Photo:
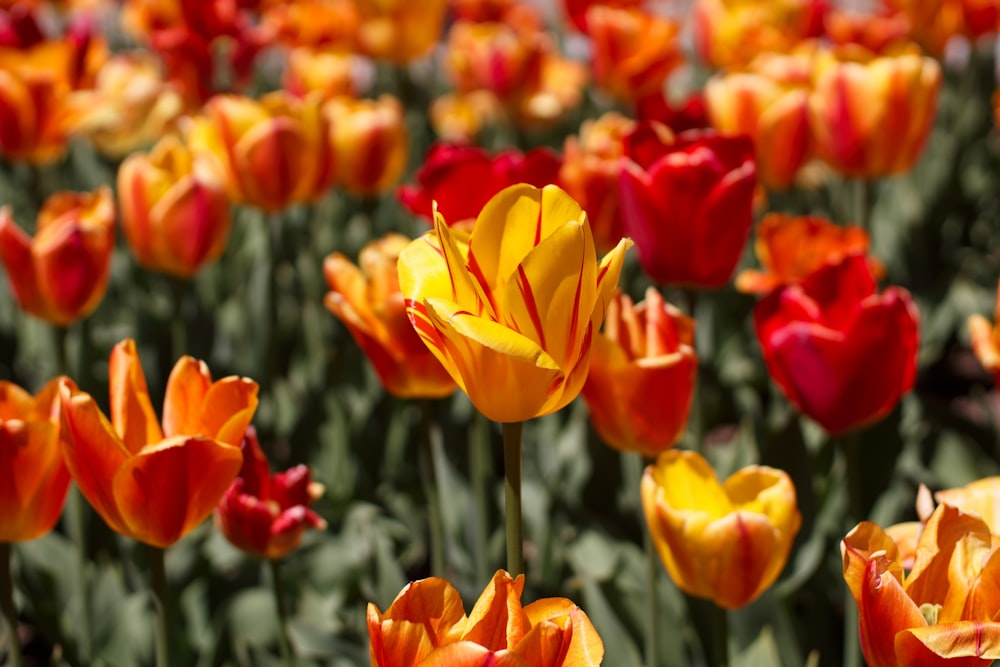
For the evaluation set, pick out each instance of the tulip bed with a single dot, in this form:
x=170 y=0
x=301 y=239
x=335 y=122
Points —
x=492 y=332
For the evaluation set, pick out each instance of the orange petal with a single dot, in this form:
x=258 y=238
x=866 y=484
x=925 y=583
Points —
x=184 y=400
x=586 y=647
x=884 y=611
x=33 y=479
x=498 y=621
x=131 y=410
x=470 y=654
x=966 y=643
x=228 y=409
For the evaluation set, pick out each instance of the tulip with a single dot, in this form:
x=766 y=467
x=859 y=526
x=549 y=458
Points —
x=264 y=514
x=642 y=374
x=634 y=51
x=33 y=477
x=492 y=56
x=943 y=609
x=842 y=354
x=329 y=72
x=727 y=542
x=461 y=179
x=369 y=141
x=790 y=248
x=426 y=626
x=399 y=30
x=175 y=212
x=150 y=483
x=981 y=497
x=730 y=33
x=589 y=173
x=689 y=114
x=458 y=118
x=881 y=32
x=61 y=274
x=272 y=152
x=313 y=24
x=511 y=309
x=770 y=103
x=689 y=205
x=368 y=301
x=871 y=118
x=985 y=339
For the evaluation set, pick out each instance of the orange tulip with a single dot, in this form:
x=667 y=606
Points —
x=330 y=72
x=871 y=118
x=368 y=301
x=33 y=477
x=426 y=626
x=727 y=542
x=981 y=497
x=770 y=103
x=175 y=214
x=944 y=609
x=634 y=51
x=400 y=30
x=370 y=142
x=272 y=152
x=790 y=248
x=61 y=274
x=642 y=374
x=150 y=483
x=985 y=339
x=493 y=56
x=730 y=33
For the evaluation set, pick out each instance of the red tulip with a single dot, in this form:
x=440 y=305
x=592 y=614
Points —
x=688 y=205
x=843 y=354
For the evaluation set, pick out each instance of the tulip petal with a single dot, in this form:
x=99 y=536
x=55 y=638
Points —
x=586 y=647
x=546 y=644
x=470 y=654
x=33 y=479
x=396 y=643
x=434 y=603
x=184 y=400
x=497 y=621
x=864 y=540
x=966 y=643
x=884 y=611
x=131 y=410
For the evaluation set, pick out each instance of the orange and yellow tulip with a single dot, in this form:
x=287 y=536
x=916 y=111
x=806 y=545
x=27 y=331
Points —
x=985 y=339
x=150 y=483
x=426 y=626
x=730 y=33
x=61 y=274
x=399 y=30
x=175 y=214
x=511 y=309
x=870 y=118
x=370 y=142
x=272 y=152
x=329 y=72
x=727 y=542
x=493 y=56
x=944 y=610
x=368 y=301
x=33 y=477
x=981 y=497
x=642 y=374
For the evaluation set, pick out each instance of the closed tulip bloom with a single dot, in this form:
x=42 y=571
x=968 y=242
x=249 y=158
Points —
x=642 y=375
x=426 y=626
x=576 y=10
x=151 y=483
x=272 y=152
x=871 y=118
x=511 y=310
x=842 y=353
x=726 y=542
x=731 y=33
x=589 y=173
x=943 y=611
x=985 y=340
x=769 y=102
x=329 y=72
x=175 y=212
x=790 y=248
x=370 y=142
x=264 y=514
x=492 y=56
x=689 y=205
x=33 y=477
x=367 y=300
x=400 y=30
x=634 y=51
x=62 y=273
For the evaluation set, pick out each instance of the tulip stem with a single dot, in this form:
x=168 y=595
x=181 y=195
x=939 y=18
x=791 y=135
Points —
x=633 y=463
x=863 y=203
x=283 y=643
x=512 y=484
x=7 y=602
x=722 y=638
x=62 y=350
x=480 y=469
x=158 y=572
x=428 y=479
x=178 y=327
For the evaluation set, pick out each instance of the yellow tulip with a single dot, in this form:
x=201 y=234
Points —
x=727 y=542
x=511 y=309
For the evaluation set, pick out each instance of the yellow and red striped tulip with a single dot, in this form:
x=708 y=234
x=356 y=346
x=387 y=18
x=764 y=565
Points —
x=272 y=152
x=426 y=626
x=492 y=56
x=368 y=301
x=642 y=375
x=727 y=542
x=943 y=611
x=150 y=483
x=511 y=309
x=33 y=477
x=61 y=275
x=370 y=142
x=871 y=118
x=985 y=339
x=175 y=213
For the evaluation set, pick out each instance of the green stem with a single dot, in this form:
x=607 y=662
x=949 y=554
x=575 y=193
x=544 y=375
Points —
x=7 y=602
x=852 y=640
x=480 y=470
x=512 y=485
x=62 y=350
x=76 y=526
x=429 y=481
x=632 y=467
x=850 y=447
x=279 y=602
x=178 y=327
x=862 y=203
x=722 y=636
x=158 y=573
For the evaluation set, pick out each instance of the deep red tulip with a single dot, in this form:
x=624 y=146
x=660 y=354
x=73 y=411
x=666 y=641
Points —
x=688 y=205
x=842 y=353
